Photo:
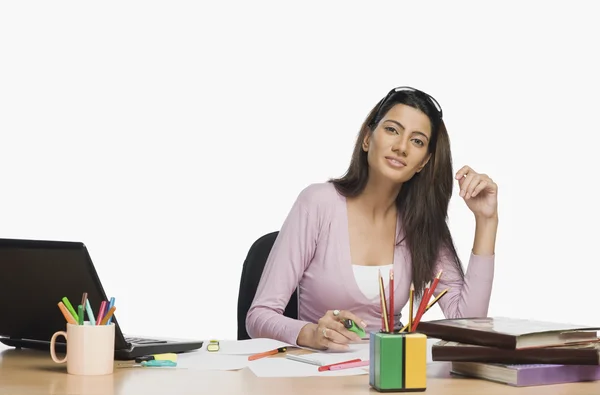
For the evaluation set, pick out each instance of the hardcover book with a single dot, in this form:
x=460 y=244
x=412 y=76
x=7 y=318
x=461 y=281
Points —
x=507 y=333
x=527 y=375
x=574 y=354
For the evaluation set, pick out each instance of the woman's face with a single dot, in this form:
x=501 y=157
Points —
x=397 y=148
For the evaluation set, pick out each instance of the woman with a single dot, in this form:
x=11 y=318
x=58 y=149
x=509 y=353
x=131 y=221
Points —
x=387 y=212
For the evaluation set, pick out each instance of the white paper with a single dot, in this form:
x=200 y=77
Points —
x=204 y=360
x=282 y=367
x=355 y=351
x=249 y=346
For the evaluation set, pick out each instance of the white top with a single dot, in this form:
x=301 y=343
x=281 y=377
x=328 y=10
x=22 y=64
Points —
x=367 y=278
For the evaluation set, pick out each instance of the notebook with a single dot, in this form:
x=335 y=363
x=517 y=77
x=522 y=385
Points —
x=527 y=375
x=574 y=354
x=35 y=275
x=508 y=333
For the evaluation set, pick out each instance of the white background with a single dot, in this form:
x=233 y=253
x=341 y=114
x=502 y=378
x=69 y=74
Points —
x=168 y=136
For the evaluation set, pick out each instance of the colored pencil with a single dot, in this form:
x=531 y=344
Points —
x=69 y=307
x=391 y=303
x=90 y=313
x=108 y=315
x=80 y=314
x=384 y=317
x=66 y=313
x=411 y=299
x=427 y=296
x=101 y=311
x=84 y=299
x=422 y=306
x=433 y=302
x=110 y=305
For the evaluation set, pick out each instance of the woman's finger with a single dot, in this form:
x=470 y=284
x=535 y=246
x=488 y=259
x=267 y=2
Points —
x=331 y=339
x=480 y=187
x=344 y=314
x=476 y=180
x=466 y=183
x=339 y=327
x=462 y=172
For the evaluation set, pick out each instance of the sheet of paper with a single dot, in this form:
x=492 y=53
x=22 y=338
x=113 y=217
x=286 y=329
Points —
x=248 y=347
x=204 y=360
x=282 y=367
x=327 y=358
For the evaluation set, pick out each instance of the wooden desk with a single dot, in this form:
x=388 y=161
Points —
x=33 y=372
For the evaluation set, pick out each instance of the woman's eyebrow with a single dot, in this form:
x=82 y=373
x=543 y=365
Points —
x=400 y=126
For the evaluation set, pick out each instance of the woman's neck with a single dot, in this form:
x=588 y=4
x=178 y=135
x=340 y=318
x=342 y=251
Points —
x=378 y=199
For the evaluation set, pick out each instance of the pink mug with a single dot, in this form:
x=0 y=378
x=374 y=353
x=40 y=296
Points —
x=90 y=349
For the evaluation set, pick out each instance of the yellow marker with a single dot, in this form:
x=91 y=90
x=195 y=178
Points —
x=165 y=357
x=213 y=346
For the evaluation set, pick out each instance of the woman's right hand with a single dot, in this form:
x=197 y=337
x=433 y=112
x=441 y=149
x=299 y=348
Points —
x=330 y=333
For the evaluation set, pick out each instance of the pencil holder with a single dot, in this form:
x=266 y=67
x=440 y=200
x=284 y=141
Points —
x=398 y=362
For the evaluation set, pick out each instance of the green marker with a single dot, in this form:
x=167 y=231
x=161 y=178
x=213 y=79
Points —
x=352 y=327
x=80 y=311
x=70 y=308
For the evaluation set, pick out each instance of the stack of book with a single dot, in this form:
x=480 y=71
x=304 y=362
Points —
x=518 y=352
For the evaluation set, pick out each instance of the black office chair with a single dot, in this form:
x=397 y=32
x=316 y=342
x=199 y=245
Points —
x=251 y=273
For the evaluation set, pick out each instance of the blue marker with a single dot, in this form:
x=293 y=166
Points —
x=110 y=305
x=90 y=312
x=161 y=363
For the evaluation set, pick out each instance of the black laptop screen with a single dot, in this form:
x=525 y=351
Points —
x=34 y=277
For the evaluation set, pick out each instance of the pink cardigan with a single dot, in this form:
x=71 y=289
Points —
x=312 y=252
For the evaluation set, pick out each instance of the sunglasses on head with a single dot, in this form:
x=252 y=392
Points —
x=409 y=89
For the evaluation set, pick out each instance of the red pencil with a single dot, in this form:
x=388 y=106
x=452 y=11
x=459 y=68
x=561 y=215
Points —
x=434 y=285
x=391 y=303
x=429 y=293
x=422 y=306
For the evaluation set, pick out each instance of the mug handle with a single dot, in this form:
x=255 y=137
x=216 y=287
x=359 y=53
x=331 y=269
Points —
x=53 y=346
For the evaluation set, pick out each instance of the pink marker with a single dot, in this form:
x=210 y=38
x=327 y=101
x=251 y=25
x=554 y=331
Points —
x=101 y=312
x=350 y=365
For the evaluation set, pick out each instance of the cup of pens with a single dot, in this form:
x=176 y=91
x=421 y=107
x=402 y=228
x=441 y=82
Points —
x=90 y=343
x=398 y=359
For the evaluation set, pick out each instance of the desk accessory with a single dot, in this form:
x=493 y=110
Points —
x=352 y=327
x=90 y=349
x=267 y=353
x=398 y=362
x=213 y=346
x=157 y=357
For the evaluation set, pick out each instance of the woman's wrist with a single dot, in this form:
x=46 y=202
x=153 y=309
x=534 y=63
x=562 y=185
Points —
x=485 y=235
x=306 y=335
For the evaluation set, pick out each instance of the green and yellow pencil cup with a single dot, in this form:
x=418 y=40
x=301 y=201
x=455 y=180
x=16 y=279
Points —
x=398 y=362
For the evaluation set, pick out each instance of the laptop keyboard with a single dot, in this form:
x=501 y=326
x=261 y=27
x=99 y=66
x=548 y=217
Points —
x=140 y=340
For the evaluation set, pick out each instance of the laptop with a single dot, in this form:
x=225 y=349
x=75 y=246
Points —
x=35 y=275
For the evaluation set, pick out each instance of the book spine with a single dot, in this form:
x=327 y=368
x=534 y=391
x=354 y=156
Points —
x=468 y=336
x=559 y=374
x=514 y=357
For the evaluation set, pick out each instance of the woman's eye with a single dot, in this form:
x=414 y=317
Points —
x=419 y=142
x=390 y=129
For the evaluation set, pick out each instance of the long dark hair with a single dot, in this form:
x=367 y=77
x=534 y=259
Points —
x=423 y=200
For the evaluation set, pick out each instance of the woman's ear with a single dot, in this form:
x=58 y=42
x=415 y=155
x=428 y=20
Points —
x=365 y=144
x=425 y=161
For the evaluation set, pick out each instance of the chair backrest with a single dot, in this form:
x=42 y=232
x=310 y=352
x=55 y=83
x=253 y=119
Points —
x=251 y=273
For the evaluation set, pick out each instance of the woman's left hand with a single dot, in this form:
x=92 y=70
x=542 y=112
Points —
x=479 y=192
